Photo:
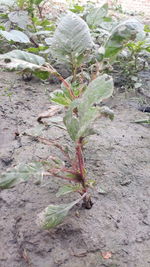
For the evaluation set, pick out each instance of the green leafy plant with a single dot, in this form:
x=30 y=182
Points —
x=71 y=45
x=81 y=113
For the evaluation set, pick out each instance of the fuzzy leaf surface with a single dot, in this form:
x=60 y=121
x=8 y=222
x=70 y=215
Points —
x=82 y=113
x=21 y=173
x=24 y=56
x=54 y=215
x=71 y=38
x=96 y=15
x=15 y=36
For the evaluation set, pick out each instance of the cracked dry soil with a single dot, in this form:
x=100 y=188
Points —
x=118 y=158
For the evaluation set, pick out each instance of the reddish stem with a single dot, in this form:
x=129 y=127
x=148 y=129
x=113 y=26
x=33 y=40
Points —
x=53 y=71
x=80 y=159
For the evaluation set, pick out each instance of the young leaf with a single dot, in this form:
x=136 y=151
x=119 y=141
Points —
x=21 y=173
x=53 y=215
x=72 y=122
x=66 y=189
x=59 y=97
x=82 y=113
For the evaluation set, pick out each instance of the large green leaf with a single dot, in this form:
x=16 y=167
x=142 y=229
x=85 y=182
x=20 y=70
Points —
x=21 y=173
x=99 y=89
x=53 y=215
x=20 y=18
x=125 y=31
x=82 y=113
x=96 y=15
x=71 y=38
x=16 y=36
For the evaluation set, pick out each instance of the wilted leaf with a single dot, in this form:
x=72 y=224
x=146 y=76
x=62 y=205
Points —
x=17 y=64
x=53 y=215
x=125 y=31
x=24 y=56
x=35 y=131
x=21 y=173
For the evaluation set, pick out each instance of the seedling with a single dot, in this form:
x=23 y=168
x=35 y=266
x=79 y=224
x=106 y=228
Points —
x=71 y=44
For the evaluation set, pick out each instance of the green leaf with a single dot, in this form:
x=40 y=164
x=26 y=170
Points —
x=71 y=121
x=21 y=173
x=147 y=28
x=71 y=38
x=77 y=9
x=82 y=113
x=15 y=36
x=43 y=75
x=86 y=121
x=59 y=97
x=54 y=215
x=95 y=16
x=20 y=18
x=66 y=189
x=37 y=2
x=99 y=89
x=27 y=57
x=125 y=31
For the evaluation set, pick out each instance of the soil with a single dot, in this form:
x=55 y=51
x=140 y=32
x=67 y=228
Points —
x=116 y=231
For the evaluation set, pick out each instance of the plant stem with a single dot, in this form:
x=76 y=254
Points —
x=87 y=203
x=80 y=159
x=51 y=70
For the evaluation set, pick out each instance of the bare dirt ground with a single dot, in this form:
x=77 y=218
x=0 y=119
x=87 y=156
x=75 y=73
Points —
x=118 y=158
